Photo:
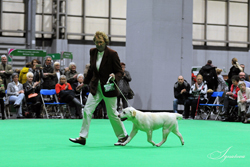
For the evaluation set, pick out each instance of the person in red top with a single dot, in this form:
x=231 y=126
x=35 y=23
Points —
x=231 y=97
x=65 y=93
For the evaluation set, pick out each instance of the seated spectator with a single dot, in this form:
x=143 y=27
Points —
x=23 y=73
x=181 y=93
x=72 y=73
x=231 y=98
x=2 y=95
x=79 y=88
x=243 y=101
x=36 y=69
x=32 y=94
x=243 y=70
x=242 y=78
x=198 y=94
x=66 y=94
x=15 y=94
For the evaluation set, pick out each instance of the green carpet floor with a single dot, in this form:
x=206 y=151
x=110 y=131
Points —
x=43 y=142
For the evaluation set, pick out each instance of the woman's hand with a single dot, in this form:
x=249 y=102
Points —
x=113 y=76
x=21 y=91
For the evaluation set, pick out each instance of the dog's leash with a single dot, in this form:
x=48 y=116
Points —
x=119 y=90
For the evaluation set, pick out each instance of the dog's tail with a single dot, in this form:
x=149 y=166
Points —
x=178 y=116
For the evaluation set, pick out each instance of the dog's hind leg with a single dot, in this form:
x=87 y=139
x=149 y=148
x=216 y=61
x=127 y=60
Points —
x=132 y=134
x=149 y=135
x=165 y=133
x=177 y=133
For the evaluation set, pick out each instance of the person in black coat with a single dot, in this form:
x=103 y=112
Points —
x=209 y=75
x=181 y=92
x=48 y=74
x=31 y=87
x=234 y=70
x=79 y=88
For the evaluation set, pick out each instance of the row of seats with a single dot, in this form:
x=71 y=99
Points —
x=46 y=102
x=205 y=110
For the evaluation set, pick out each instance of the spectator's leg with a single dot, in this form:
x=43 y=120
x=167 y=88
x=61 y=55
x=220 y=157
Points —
x=187 y=108
x=124 y=103
x=175 y=105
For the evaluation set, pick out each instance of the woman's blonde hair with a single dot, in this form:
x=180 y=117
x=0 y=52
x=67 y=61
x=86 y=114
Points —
x=100 y=34
x=62 y=76
x=218 y=71
x=241 y=83
x=71 y=64
x=236 y=64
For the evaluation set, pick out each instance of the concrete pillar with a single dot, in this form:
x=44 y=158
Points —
x=158 y=49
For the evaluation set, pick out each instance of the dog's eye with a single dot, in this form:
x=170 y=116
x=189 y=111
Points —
x=124 y=112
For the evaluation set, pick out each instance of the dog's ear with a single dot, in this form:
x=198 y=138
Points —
x=133 y=113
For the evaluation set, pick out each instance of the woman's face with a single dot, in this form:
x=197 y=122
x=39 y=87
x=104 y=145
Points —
x=199 y=80
x=15 y=79
x=34 y=63
x=73 y=67
x=243 y=88
x=80 y=79
x=30 y=78
x=63 y=80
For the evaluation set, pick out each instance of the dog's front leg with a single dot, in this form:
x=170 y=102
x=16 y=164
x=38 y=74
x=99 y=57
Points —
x=132 y=134
x=149 y=134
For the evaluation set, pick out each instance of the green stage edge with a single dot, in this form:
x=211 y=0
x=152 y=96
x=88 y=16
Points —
x=45 y=143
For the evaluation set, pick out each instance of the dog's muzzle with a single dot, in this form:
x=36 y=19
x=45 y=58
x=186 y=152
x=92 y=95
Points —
x=122 y=119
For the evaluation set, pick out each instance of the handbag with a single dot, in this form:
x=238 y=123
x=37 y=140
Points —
x=32 y=95
x=130 y=94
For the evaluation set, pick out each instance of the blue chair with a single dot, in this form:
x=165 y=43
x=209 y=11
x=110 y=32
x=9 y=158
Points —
x=208 y=108
x=53 y=101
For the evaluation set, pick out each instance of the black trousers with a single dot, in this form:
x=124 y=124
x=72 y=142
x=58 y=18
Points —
x=124 y=102
x=228 y=102
x=193 y=104
x=2 y=107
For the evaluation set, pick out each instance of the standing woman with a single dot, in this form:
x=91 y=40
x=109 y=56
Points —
x=104 y=63
x=234 y=70
x=72 y=73
x=15 y=94
x=33 y=88
x=36 y=69
x=222 y=86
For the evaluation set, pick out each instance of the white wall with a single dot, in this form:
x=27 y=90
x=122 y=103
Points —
x=221 y=59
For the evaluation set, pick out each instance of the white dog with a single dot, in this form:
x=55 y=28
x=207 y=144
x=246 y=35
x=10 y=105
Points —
x=148 y=122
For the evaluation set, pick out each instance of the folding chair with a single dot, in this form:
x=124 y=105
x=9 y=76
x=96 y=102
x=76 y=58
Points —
x=52 y=102
x=212 y=107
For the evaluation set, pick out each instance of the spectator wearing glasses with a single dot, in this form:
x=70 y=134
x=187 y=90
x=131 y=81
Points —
x=48 y=74
x=242 y=76
x=243 y=69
